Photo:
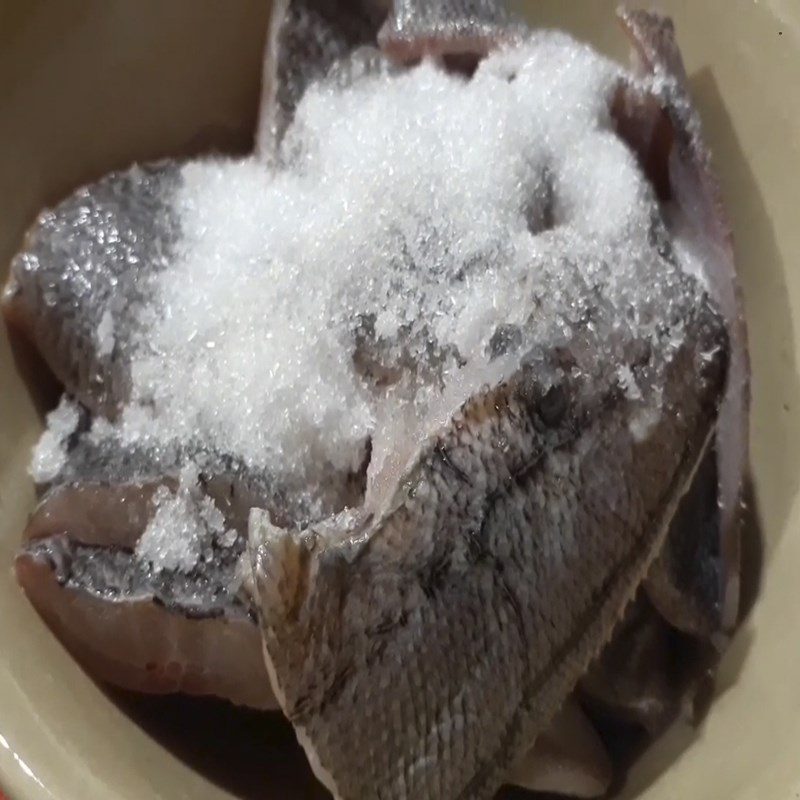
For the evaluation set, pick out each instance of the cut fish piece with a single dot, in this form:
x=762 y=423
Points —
x=124 y=633
x=125 y=623
x=75 y=288
x=659 y=121
x=423 y=599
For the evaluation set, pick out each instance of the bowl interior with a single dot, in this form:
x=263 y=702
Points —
x=91 y=85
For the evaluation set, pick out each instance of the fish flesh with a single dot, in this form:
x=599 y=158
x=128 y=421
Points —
x=144 y=630
x=407 y=553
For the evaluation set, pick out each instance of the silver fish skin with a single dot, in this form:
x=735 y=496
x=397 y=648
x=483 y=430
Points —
x=93 y=254
x=418 y=28
x=304 y=40
x=460 y=613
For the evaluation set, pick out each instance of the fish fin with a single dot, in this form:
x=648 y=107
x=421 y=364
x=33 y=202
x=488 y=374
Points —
x=439 y=28
x=297 y=612
x=281 y=563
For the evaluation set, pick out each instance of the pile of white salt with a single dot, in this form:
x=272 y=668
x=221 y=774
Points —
x=421 y=201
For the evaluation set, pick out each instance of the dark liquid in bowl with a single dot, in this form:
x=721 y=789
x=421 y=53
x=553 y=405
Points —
x=254 y=755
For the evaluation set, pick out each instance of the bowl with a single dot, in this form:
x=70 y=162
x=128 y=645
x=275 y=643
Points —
x=91 y=85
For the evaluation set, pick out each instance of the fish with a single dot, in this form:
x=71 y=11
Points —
x=83 y=578
x=427 y=604
x=131 y=632
x=86 y=264
x=128 y=624
x=463 y=572
x=196 y=633
x=663 y=128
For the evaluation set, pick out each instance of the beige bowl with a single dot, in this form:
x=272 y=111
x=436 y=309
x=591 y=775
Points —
x=89 y=85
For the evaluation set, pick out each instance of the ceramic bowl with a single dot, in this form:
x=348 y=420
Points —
x=90 y=85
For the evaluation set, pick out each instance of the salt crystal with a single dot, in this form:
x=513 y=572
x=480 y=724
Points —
x=628 y=382
x=228 y=539
x=182 y=528
x=105 y=334
x=50 y=453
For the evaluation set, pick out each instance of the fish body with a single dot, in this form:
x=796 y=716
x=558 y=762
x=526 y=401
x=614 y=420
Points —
x=514 y=560
x=84 y=272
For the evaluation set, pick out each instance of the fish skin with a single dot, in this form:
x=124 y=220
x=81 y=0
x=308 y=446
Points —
x=663 y=126
x=486 y=562
x=91 y=254
x=419 y=28
x=304 y=40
